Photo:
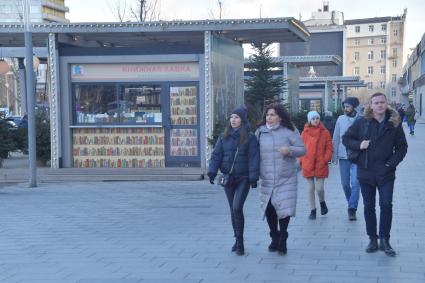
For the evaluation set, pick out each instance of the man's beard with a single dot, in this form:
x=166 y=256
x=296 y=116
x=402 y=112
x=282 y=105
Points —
x=350 y=113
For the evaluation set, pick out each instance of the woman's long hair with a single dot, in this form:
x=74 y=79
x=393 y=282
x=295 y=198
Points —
x=243 y=133
x=282 y=113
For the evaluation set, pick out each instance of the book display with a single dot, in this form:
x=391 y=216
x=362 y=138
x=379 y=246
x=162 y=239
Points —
x=118 y=148
x=183 y=106
x=184 y=142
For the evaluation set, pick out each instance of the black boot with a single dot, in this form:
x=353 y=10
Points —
x=384 y=245
x=352 y=214
x=234 y=229
x=275 y=241
x=323 y=208
x=372 y=246
x=281 y=248
x=312 y=214
x=240 y=249
x=234 y=246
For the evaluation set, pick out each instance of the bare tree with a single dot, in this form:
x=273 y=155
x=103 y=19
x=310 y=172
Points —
x=146 y=10
x=119 y=9
x=217 y=14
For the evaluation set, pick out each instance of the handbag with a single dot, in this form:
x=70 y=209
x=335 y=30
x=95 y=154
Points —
x=354 y=155
x=226 y=180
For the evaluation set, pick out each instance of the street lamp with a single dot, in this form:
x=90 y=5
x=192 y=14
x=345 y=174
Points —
x=30 y=95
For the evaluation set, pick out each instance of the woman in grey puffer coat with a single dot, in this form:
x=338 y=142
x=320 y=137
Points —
x=280 y=145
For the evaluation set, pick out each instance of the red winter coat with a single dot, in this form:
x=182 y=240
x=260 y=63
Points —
x=318 y=143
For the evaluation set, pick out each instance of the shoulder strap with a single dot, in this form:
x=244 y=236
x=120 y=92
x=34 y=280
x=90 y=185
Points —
x=233 y=163
x=366 y=128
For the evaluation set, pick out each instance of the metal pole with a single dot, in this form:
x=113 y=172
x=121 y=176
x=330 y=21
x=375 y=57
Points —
x=30 y=96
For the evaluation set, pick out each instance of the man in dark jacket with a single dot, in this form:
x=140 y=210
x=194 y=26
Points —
x=380 y=138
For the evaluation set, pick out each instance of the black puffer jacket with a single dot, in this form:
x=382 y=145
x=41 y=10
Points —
x=387 y=148
x=247 y=160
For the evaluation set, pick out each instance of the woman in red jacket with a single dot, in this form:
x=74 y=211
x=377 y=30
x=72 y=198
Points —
x=314 y=163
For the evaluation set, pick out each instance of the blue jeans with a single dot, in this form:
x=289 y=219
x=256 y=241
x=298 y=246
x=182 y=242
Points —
x=386 y=205
x=412 y=128
x=350 y=184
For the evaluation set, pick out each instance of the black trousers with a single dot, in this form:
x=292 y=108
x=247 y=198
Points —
x=386 y=206
x=273 y=221
x=236 y=196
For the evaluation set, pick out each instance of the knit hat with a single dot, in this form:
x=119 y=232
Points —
x=242 y=112
x=311 y=115
x=352 y=101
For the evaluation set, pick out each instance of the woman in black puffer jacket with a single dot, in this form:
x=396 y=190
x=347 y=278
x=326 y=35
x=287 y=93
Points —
x=237 y=145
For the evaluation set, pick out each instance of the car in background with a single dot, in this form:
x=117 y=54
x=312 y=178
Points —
x=15 y=121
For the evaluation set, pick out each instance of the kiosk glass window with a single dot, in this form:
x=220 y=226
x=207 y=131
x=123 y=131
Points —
x=92 y=103
x=183 y=106
x=139 y=104
x=126 y=104
x=183 y=120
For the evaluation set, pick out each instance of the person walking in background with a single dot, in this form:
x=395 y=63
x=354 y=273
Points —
x=411 y=118
x=401 y=112
x=236 y=153
x=347 y=169
x=329 y=122
x=314 y=163
x=380 y=139
x=280 y=145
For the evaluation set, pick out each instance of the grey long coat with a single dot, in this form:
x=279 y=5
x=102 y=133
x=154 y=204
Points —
x=278 y=173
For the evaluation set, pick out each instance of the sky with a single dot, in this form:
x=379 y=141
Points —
x=101 y=11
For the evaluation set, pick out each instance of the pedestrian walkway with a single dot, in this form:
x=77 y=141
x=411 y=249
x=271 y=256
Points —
x=110 y=232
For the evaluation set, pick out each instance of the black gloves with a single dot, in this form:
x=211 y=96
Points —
x=254 y=184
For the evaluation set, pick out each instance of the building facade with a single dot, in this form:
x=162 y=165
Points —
x=374 y=51
x=325 y=27
x=413 y=82
x=45 y=11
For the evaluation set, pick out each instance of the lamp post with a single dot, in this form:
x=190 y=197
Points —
x=30 y=95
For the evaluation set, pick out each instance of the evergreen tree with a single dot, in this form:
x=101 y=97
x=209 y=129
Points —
x=263 y=87
x=6 y=140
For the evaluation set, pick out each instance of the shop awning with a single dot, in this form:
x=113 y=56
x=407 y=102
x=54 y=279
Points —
x=139 y=34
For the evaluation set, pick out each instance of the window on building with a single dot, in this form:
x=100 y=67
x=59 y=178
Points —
x=394 y=78
x=395 y=32
x=370 y=28
x=357 y=28
x=395 y=52
x=53 y=12
x=370 y=85
x=103 y=103
x=382 y=85
x=357 y=42
x=383 y=40
x=356 y=71
x=383 y=27
x=382 y=69
x=370 y=70
x=395 y=63
x=370 y=55
x=383 y=54
x=370 y=41
x=393 y=92
x=356 y=56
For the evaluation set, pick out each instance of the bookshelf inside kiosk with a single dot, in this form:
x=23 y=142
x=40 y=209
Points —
x=128 y=125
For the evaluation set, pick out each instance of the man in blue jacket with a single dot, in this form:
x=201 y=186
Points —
x=380 y=138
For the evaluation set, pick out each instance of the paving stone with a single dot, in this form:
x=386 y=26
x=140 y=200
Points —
x=167 y=232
